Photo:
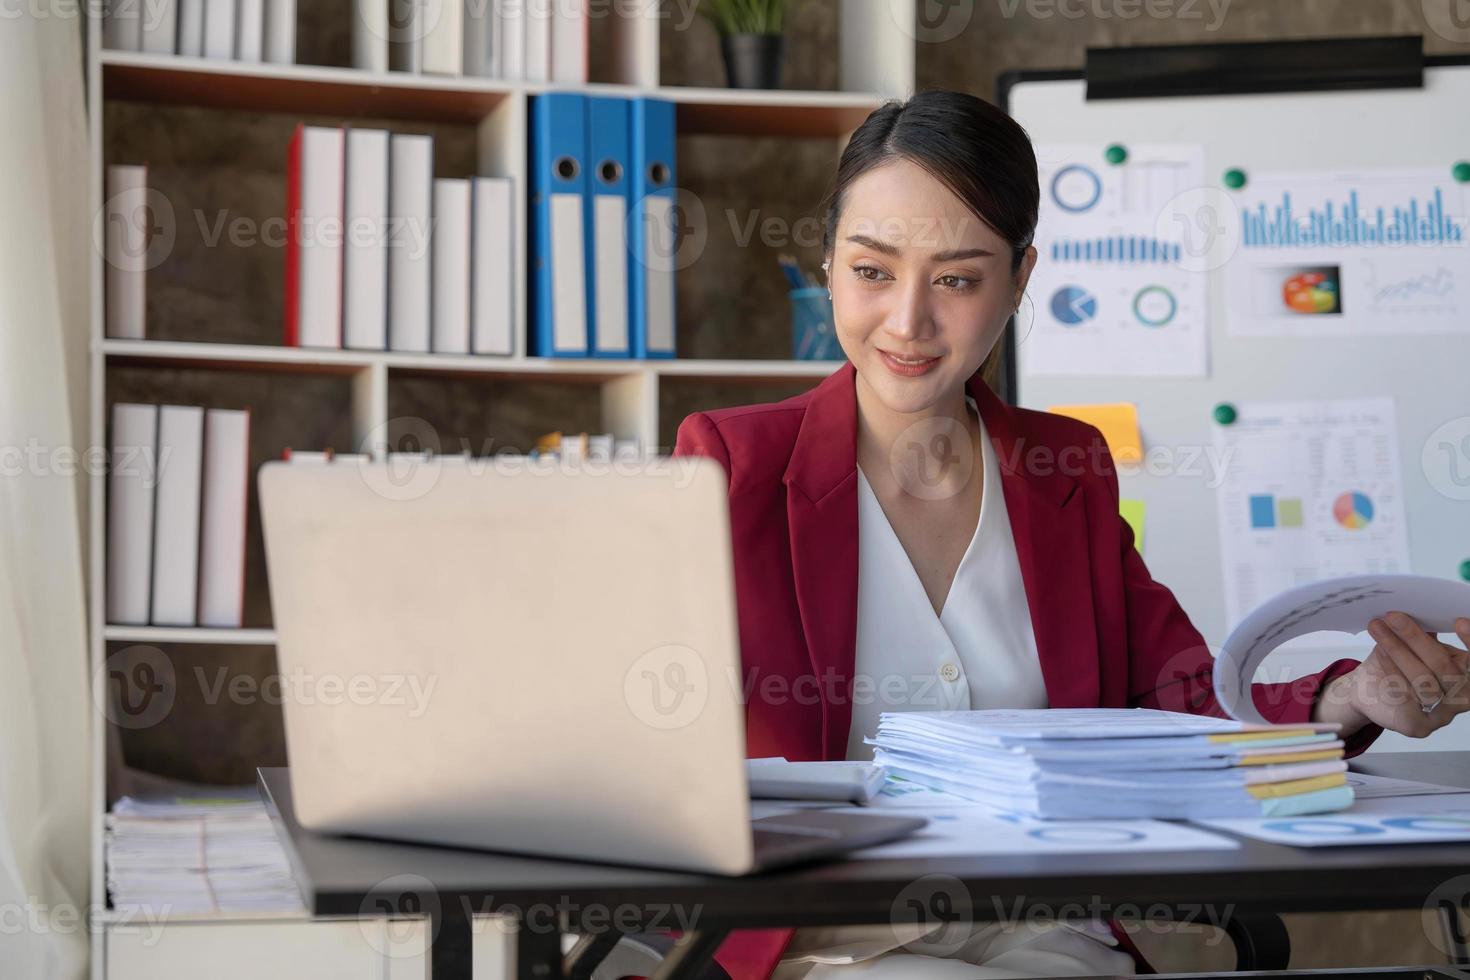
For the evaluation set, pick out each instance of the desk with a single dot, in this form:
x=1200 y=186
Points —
x=352 y=876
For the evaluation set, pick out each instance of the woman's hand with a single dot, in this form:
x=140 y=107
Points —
x=1408 y=672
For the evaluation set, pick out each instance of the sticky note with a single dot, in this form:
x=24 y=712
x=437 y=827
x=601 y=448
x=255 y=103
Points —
x=1119 y=425
x=1132 y=511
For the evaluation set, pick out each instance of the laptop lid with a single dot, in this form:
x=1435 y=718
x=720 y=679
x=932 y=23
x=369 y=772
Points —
x=500 y=654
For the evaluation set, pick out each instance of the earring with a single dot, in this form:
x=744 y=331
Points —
x=826 y=267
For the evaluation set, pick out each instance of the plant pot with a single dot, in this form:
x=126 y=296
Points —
x=754 y=60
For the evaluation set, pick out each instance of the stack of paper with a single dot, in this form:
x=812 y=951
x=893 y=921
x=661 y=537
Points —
x=1113 y=763
x=197 y=855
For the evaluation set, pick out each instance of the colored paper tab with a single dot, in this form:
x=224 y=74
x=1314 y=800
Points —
x=1118 y=423
x=1132 y=511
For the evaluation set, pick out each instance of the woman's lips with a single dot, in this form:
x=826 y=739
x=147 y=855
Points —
x=907 y=367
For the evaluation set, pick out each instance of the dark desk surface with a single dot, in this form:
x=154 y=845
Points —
x=349 y=876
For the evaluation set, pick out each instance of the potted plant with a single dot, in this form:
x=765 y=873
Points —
x=751 y=39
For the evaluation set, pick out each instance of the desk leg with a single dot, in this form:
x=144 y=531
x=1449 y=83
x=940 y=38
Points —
x=452 y=952
x=690 y=955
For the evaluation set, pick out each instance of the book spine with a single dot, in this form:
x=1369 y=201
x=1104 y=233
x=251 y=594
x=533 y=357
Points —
x=222 y=529
x=160 y=26
x=292 y=292
x=280 y=32
x=191 y=28
x=410 y=192
x=365 y=249
x=249 y=30
x=443 y=37
x=125 y=240
x=492 y=258
x=176 y=522
x=569 y=41
x=451 y=267
x=132 y=475
x=219 y=29
x=370 y=34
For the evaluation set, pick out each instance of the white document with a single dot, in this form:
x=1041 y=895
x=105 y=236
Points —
x=410 y=196
x=451 y=267
x=1345 y=605
x=280 y=32
x=1369 y=787
x=1120 y=285
x=1311 y=490
x=780 y=779
x=249 y=30
x=219 y=29
x=492 y=260
x=1394 y=820
x=1332 y=253
x=370 y=34
x=365 y=243
x=125 y=235
x=222 y=526
x=176 y=521
x=318 y=237
x=966 y=831
x=131 y=478
x=160 y=25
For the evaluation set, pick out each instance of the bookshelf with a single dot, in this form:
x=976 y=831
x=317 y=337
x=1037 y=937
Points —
x=352 y=393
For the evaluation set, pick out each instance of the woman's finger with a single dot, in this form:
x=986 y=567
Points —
x=1432 y=653
x=1422 y=682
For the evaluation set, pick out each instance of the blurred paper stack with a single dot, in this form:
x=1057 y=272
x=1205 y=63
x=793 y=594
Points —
x=1116 y=763
x=193 y=855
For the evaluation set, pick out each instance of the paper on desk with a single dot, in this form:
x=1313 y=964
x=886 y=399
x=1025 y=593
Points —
x=1369 y=787
x=969 y=830
x=1343 y=604
x=1386 y=820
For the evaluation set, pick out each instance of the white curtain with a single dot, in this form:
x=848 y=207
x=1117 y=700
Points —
x=45 y=709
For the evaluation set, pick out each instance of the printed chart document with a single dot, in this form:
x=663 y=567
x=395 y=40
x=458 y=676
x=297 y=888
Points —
x=1312 y=490
x=1395 y=820
x=1332 y=253
x=1345 y=605
x=1120 y=283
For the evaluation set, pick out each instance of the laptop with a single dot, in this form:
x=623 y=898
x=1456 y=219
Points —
x=523 y=656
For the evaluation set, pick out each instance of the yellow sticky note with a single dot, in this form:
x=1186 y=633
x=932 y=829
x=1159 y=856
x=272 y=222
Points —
x=1132 y=511
x=1118 y=423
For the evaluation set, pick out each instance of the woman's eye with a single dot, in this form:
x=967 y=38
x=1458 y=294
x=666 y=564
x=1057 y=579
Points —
x=868 y=273
x=958 y=283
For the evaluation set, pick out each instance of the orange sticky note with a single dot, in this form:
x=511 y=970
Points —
x=1118 y=423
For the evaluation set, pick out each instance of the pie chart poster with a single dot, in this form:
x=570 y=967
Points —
x=1120 y=285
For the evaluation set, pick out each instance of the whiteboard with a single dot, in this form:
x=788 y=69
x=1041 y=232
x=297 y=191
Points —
x=1428 y=376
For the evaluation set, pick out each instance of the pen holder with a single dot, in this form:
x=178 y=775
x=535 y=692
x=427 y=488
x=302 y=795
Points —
x=813 y=335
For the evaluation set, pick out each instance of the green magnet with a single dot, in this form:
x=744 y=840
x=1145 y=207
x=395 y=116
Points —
x=1226 y=414
x=1234 y=178
x=1115 y=154
x=1461 y=171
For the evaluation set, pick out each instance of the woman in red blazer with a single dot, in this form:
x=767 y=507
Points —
x=928 y=244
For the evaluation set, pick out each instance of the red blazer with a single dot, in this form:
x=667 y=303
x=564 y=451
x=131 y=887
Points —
x=1107 y=634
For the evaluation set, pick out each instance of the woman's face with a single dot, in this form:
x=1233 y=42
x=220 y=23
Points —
x=921 y=287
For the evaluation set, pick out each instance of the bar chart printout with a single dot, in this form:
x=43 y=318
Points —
x=1373 y=252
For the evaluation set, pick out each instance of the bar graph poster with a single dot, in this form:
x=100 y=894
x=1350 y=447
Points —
x=1114 y=291
x=1309 y=490
x=1364 y=252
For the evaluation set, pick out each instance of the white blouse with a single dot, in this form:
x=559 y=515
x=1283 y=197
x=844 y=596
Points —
x=979 y=652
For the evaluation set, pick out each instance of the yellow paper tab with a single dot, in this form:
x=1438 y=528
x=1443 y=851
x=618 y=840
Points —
x=1257 y=736
x=1294 y=787
x=1118 y=424
x=1266 y=760
x=1132 y=511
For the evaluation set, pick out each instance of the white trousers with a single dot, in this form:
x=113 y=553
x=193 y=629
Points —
x=954 y=951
